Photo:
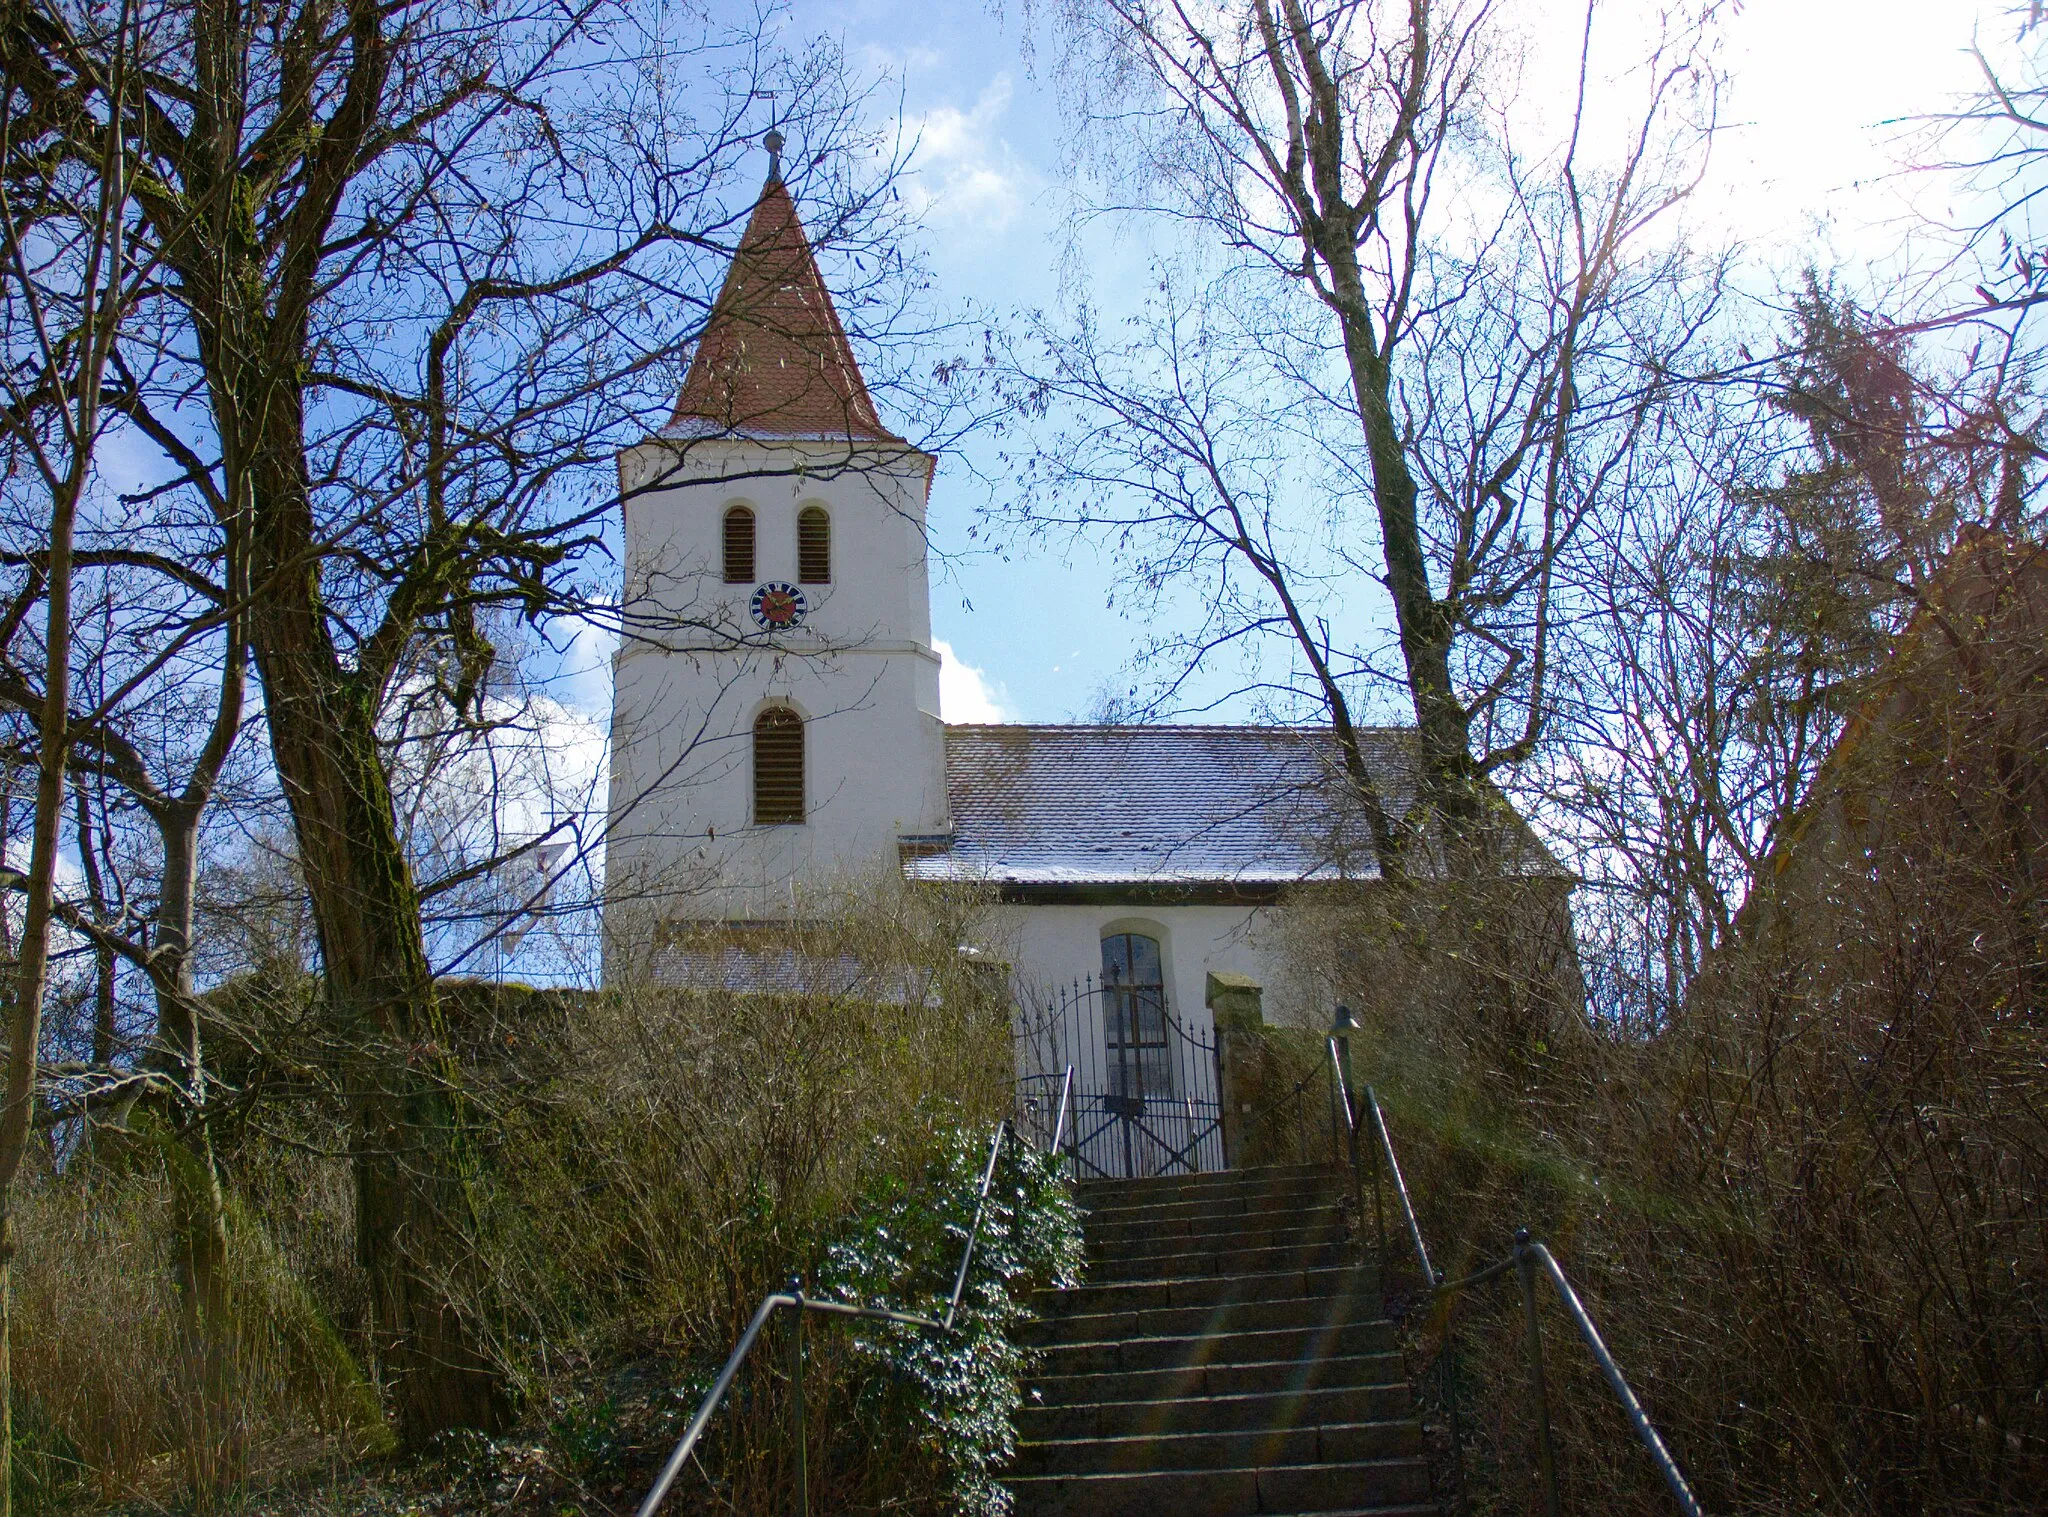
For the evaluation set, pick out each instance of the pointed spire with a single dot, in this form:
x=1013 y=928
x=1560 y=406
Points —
x=774 y=360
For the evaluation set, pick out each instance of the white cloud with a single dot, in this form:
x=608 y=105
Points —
x=582 y=679
x=964 y=691
x=966 y=178
x=915 y=59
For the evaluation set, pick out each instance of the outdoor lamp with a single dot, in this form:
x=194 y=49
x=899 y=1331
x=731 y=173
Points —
x=1341 y=1030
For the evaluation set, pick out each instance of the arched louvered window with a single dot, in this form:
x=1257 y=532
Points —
x=778 y=767
x=813 y=546
x=739 y=546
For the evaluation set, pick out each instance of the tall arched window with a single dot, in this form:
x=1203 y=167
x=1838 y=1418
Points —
x=739 y=546
x=778 y=767
x=1134 y=1026
x=813 y=546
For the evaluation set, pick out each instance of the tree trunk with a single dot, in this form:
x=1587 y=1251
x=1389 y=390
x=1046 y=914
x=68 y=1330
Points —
x=1452 y=806
x=1448 y=781
x=413 y=1201
x=199 y=1203
x=103 y=1029
x=25 y=1016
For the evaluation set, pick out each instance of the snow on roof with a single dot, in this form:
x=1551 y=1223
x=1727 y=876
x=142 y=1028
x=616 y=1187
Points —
x=1091 y=805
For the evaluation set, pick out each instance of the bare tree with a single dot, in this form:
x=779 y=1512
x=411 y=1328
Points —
x=155 y=716
x=429 y=266
x=1991 y=146
x=70 y=278
x=1796 y=522
x=1408 y=304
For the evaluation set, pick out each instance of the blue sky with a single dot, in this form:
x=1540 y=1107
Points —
x=1806 y=170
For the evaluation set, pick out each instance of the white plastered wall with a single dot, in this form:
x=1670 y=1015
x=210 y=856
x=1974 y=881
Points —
x=695 y=671
x=1050 y=947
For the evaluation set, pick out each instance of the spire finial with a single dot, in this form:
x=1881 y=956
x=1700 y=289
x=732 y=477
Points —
x=773 y=142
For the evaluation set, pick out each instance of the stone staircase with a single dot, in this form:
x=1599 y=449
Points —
x=1226 y=1355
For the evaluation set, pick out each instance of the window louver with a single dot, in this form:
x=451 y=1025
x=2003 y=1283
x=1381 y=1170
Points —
x=739 y=546
x=778 y=768
x=813 y=546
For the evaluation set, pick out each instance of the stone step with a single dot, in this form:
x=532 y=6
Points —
x=1207 y=1290
x=1327 y=1227
x=1267 y=1410
x=1281 y=1360
x=1318 y=1311
x=1165 y=1186
x=1328 y=1251
x=1225 y=1355
x=1375 y=1373
x=1367 y=1486
x=1266 y=1195
x=1333 y=1443
x=1211 y=1211
x=1300 y=1344
x=1231 y=1230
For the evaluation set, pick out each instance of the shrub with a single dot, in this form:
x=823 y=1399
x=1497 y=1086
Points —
x=1808 y=1216
x=949 y=1400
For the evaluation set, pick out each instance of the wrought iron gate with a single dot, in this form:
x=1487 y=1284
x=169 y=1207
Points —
x=1145 y=1084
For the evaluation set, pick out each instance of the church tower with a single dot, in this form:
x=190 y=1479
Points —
x=775 y=712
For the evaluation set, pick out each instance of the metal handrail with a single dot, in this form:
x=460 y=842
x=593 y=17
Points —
x=1528 y=1257
x=1059 y=1126
x=1666 y=1465
x=1340 y=1093
x=1385 y=1144
x=988 y=1178
x=1379 y=1122
x=1062 y=1110
x=796 y=1302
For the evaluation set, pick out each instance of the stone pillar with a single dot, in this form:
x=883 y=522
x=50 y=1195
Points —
x=1235 y=1005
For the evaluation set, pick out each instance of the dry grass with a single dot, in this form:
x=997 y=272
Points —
x=656 y=1158
x=661 y=1159
x=646 y=1163
x=1811 y=1215
x=111 y=1405
x=95 y=1316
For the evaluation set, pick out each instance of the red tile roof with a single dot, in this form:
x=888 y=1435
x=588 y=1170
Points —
x=774 y=360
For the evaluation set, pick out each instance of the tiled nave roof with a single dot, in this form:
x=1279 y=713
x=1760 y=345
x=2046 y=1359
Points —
x=1090 y=806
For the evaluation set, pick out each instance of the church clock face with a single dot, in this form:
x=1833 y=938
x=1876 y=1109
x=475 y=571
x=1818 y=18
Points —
x=778 y=607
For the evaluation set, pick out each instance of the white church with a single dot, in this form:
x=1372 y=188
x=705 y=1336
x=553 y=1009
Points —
x=777 y=719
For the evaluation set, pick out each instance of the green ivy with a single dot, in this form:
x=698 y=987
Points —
x=955 y=1395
